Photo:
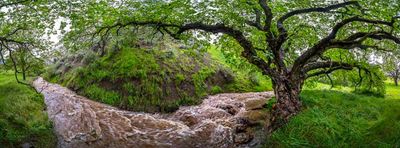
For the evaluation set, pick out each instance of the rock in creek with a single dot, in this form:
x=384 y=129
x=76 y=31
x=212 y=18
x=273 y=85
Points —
x=223 y=121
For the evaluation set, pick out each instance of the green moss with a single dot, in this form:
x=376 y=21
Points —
x=22 y=115
x=134 y=64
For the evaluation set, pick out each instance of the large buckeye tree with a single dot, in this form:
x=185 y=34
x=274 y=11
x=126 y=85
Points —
x=286 y=40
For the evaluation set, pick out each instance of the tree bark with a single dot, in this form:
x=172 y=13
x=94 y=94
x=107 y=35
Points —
x=396 y=83
x=23 y=74
x=287 y=92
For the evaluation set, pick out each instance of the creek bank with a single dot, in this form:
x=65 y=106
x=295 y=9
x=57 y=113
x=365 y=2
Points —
x=223 y=120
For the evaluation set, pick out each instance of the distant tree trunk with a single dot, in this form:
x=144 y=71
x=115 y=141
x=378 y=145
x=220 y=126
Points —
x=395 y=75
x=287 y=92
x=24 y=68
x=23 y=74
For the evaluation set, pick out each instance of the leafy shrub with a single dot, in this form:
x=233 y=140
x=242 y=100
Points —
x=216 y=90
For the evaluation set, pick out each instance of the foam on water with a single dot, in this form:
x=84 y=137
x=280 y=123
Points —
x=224 y=120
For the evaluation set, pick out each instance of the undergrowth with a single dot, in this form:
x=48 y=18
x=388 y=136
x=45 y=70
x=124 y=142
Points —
x=333 y=118
x=22 y=115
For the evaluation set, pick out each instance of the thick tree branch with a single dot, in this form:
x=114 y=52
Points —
x=323 y=65
x=324 y=72
x=249 y=51
x=329 y=67
x=343 y=23
x=355 y=40
x=358 y=38
x=268 y=14
x=281 y=20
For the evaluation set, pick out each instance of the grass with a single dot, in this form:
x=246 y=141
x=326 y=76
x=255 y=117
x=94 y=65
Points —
x=22 y=115
x=339 y=118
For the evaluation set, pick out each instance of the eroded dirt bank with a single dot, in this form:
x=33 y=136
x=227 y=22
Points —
x=223 y=120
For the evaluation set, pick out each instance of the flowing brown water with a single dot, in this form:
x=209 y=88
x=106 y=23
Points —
x=223 y=121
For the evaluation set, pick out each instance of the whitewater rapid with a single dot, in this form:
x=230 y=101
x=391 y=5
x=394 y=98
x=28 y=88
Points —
x=221 y=121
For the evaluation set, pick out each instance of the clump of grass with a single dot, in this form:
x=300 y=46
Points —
x=216 y=90
x=22 y=116
x=334 y=118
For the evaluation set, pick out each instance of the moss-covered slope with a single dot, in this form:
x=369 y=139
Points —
x=156 y=79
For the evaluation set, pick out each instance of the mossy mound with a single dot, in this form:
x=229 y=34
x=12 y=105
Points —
x=145 y=79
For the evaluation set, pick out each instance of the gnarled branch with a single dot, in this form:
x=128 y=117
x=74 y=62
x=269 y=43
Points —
x=249 y=51
x=326 y=9
x=352 y=41
x=268 y=14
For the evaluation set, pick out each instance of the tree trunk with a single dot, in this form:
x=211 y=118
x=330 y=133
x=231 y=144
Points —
x=23 y=75
x=287 y=93
x=396 y=83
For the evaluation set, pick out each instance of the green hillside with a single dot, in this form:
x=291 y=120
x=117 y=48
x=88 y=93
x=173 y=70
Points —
x=157 y=78
x=23 y=119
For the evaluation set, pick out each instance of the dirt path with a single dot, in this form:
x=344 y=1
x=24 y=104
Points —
x=224 y=120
